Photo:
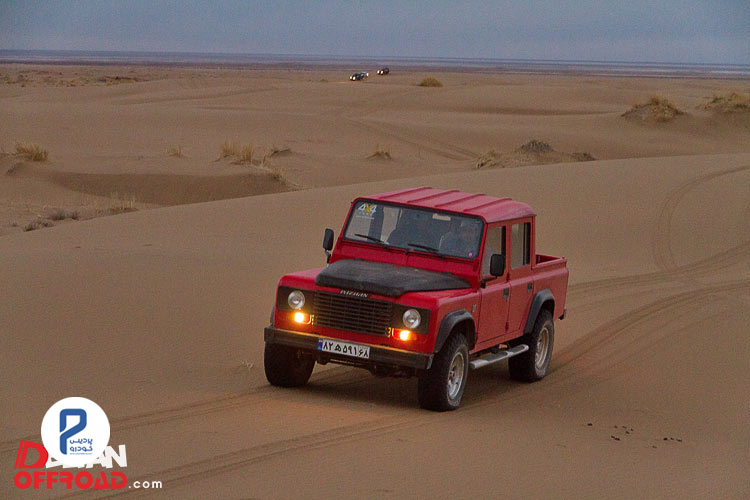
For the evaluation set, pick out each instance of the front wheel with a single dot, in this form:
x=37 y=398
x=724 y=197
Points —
x=534 y=363
x=443 y=385
x=286 y=366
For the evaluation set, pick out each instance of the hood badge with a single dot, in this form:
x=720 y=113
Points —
x=351 y=293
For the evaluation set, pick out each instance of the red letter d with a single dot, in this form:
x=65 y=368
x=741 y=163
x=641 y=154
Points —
x=23 y=449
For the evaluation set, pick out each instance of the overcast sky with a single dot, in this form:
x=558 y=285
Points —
x=701 y=31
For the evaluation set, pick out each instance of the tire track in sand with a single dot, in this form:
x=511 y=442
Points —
x=663 y=252
x=662 y=244
x=564 y=373
x=341 y=376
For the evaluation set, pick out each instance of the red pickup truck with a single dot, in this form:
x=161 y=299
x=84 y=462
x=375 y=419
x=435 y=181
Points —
x=422 y=282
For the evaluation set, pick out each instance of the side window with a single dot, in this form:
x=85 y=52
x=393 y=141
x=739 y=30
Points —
x=495 y=244
x=520 y=240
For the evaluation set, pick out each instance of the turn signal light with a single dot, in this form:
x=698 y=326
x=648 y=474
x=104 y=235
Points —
x=302 y=318
x=402 y=335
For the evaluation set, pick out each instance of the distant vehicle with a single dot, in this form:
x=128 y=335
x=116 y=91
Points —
x=359 y=76
x=427 y=283
x=384 y=71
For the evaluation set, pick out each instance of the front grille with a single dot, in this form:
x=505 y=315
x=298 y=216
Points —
x=352 y=313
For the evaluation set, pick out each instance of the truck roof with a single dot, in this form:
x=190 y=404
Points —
x=489 y=208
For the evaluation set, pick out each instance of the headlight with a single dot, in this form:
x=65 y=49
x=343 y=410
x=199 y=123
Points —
x=411 y=319
x=296 y=299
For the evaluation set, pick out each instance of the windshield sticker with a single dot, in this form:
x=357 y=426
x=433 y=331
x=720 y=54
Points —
x=366 y=210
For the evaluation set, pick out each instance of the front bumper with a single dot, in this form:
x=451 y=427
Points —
x=378 y=354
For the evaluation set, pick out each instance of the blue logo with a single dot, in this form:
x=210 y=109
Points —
x=64 y=436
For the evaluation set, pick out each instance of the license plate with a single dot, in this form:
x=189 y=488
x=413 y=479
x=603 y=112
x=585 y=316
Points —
x=345 y=348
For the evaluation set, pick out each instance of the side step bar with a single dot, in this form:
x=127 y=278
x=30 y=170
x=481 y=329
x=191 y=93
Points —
x=498 y=356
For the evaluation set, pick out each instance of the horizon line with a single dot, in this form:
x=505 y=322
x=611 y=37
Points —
x=354 y=56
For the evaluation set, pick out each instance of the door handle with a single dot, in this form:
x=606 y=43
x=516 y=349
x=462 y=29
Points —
x=529 y=287
x=506 y=292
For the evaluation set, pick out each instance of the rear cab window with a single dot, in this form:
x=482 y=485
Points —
x=520 y=240
x=495 y=244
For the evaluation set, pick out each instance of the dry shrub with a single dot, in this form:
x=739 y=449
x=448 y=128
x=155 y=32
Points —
x=430 y=82
x=121 y=205
x=657 y=108
x=37 y=224
x=33 y=152
x=229 y=149
x=63 y=214
x=536 y=146
x=488 y=159
x=733 y=102
x=382 y=153
x=246 y=154
x=275 y=150
x=583 y=156
x=241 y=153
x=175 y=151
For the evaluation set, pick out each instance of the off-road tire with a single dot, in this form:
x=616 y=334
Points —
x=434 y=389
x=286 y=366
x=534 y=363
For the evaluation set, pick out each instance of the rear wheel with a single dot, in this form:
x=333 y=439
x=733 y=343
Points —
x=534 y=363
x=286 y=366
x=443 y=386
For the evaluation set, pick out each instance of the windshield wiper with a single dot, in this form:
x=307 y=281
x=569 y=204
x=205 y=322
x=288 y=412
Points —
x=424 y=247
x=371 y=238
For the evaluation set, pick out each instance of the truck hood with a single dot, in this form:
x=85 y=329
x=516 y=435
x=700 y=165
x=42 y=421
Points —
x=385 y=279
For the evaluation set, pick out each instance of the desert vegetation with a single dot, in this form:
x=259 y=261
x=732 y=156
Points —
x=120 y=206
x=430 y=82
x=37 y=224
x=175 y=151
x=33 y=152
x=238 y=152
x=533 y=152
x=61 y=214
x=381 y=153
x=656 y=109
x=732 y=102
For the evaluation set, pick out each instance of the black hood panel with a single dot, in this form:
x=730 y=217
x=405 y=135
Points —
x=385 y=279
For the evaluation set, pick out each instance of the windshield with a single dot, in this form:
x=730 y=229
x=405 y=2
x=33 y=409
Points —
x=431 y=231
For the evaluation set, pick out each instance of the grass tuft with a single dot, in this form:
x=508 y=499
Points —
x=33 y=152
x=381 y=153
x=488 y=159
x=657 y=108
x=63 y=214
x=733 y=102
x=37 y=224
x=175 y=151
x=246 y=154
x=121 y=205
x=430 y=82
x=536 y=146
x=229 y=149
x=241 y=153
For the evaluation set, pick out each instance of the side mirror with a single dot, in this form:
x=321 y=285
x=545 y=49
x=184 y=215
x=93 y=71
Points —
x=328 y=240
x=497 y=264
x=328 y=243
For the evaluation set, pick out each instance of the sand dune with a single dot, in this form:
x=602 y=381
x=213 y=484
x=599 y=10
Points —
x=160 y=312
x=157 y=314
x=121 y=120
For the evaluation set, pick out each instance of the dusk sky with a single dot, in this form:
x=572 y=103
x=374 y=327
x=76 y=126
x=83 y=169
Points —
x=636 y=30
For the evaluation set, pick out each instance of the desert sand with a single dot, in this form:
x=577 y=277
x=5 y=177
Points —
x=156 y=312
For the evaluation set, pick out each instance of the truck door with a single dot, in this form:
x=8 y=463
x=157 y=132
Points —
x=520 y=278
x=493 y=311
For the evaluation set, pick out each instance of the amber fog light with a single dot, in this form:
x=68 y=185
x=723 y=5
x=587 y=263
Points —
x=402 y=335
x=301 y=318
